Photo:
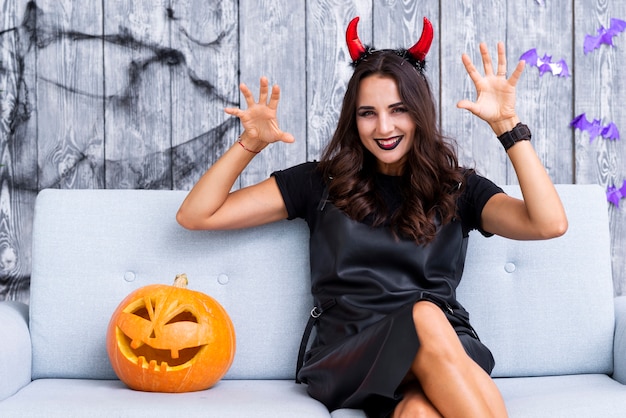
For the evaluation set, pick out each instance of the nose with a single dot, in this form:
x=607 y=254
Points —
x=384 y=125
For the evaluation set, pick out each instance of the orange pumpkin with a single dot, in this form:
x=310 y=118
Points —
x=170 y=339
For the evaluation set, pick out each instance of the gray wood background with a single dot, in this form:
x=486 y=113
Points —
x=130 y=94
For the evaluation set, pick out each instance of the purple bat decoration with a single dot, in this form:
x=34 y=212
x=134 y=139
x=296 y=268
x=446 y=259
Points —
x=605 y=36
x=595 y=128
x=614 y=195
x=610 y=131
x=545 y=64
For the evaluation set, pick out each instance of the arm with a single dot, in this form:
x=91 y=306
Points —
x=540 y=215
x=210 y=204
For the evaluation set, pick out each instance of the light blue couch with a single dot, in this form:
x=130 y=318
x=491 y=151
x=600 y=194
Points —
x=546 y=309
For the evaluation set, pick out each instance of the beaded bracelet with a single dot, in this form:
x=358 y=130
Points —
x=246 y=148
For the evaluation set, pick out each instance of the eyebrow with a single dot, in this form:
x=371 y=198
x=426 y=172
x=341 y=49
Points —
x=391 y=106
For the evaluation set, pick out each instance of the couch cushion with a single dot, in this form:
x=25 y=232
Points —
x=576 y=396
x=91 y=248
x=15 y=348
x=546 y=307
x=543 y=307
x=110 y=398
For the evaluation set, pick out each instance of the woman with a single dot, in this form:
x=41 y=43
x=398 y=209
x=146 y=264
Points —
x=389 y=211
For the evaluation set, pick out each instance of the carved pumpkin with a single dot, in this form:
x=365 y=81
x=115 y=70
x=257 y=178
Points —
x=170 y=339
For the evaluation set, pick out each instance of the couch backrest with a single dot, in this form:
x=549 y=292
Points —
x=546 y=307
x=91 y=248
x=543 y=307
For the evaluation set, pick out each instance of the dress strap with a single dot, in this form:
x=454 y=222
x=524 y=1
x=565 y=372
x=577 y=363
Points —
x=323 y=200
x=313 y=318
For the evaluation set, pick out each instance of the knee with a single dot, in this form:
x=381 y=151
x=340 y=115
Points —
x=439 y=342
x=431 y=323
x=415 y=405
x=425 y=311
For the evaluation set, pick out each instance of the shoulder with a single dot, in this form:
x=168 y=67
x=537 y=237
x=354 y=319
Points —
x=303 y=170
x=475 y=193
x=302 y=187
x=478 y=189
x=306 y=177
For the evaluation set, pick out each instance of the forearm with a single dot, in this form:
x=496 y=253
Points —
x=543 y=205
x=213 y=188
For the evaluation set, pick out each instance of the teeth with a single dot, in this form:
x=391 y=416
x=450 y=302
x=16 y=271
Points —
x=174 y=353
x=142 y=362
x=135 y=344
x=389 y=141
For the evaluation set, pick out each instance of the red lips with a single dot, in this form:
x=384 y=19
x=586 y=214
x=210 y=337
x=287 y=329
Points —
x=389 y=143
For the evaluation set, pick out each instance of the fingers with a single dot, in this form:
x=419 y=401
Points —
x=274 y=98
x=487 y=63
x=468 y=105
x=263 y=94
x=501 y=60
x=517 y=73
x=470 y=68
x=286 y=137
x=519 y=68
x=247 y=94
x=263 y=88
x=234 y=111
x=500 y=70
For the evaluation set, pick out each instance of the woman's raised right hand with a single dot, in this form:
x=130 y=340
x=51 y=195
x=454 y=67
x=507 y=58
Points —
x=259 y=119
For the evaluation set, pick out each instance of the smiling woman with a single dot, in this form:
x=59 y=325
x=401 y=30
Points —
x=389 y=210
x=384 y=124
x=388 y=125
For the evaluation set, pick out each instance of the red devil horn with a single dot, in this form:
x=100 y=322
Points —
x=355 y=47
x=420 y=49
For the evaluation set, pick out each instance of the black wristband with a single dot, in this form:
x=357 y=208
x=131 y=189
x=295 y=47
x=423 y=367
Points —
x=519 y=133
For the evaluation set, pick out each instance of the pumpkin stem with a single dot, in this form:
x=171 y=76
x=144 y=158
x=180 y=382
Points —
x=181 y=280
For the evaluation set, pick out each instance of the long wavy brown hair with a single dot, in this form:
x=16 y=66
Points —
x=431 y=176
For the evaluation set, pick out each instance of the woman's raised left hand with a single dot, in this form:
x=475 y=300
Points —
x=495 y=101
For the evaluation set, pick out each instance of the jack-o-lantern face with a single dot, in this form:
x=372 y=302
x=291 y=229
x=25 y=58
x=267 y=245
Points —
x=170 y=339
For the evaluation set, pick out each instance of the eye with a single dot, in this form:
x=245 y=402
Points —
x=400 y=109
x=365 y=113
x=183 y=317
x=141 y=309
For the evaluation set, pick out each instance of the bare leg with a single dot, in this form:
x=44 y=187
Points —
x=415 y=404
x=454 y=384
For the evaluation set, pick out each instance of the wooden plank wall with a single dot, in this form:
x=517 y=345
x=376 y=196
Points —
x=121 y=94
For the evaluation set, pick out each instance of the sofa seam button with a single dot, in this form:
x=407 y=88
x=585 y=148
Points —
x=509 y=267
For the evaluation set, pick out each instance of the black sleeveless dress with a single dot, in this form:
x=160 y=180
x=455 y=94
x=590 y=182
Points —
x=365 y=282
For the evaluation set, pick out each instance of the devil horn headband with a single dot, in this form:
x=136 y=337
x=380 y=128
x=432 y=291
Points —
x=417 y=52
x=355 y=47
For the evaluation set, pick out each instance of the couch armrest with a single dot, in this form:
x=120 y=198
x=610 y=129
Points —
x=619 y=344
x=15 y=348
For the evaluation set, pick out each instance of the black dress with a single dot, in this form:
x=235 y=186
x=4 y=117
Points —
x=367 y=281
